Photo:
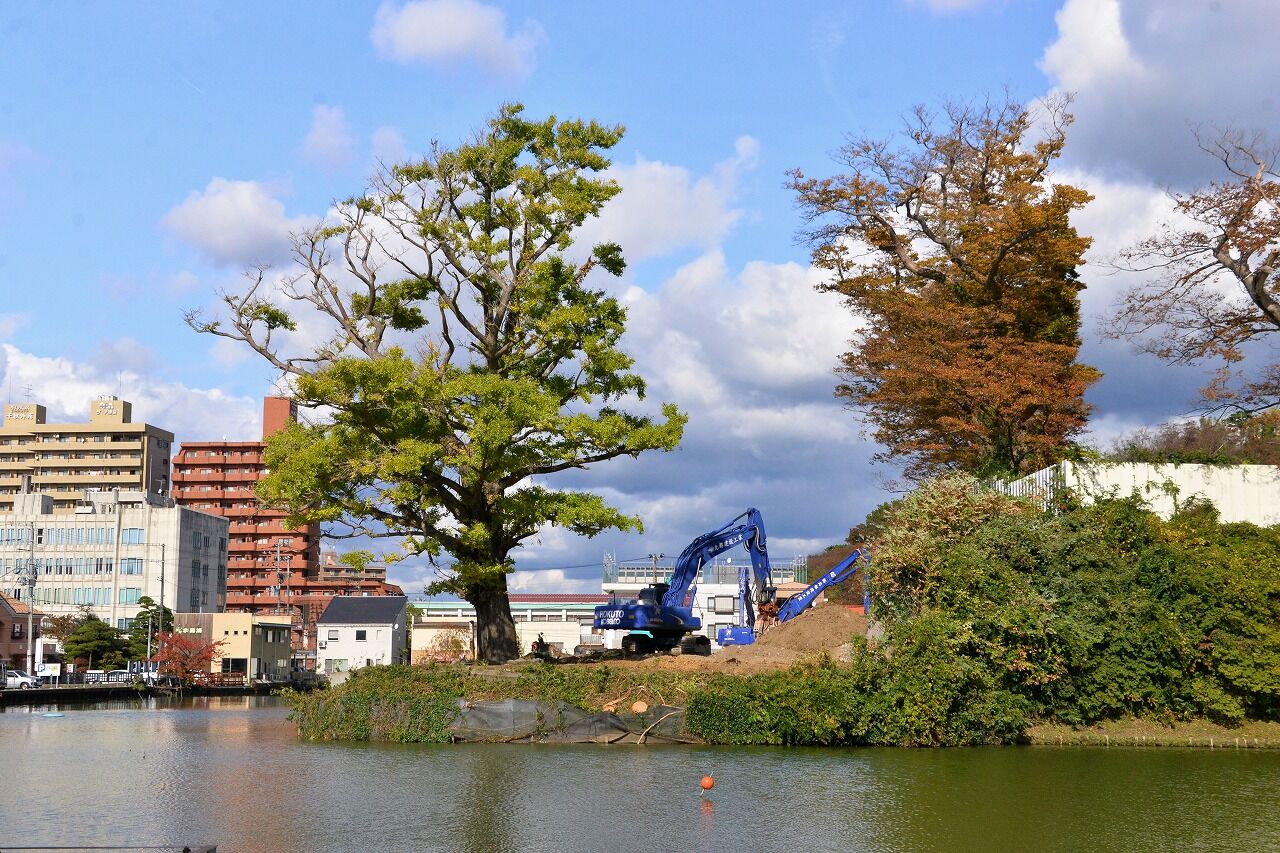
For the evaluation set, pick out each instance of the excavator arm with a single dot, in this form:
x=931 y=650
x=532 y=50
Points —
x=845 y=569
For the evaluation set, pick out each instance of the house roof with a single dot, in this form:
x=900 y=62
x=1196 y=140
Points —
x=20 y=608
x=363 y=610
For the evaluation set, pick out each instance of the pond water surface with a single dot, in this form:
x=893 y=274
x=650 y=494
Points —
x=232 y=772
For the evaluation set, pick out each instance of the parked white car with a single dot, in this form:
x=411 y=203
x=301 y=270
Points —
x=19 y=679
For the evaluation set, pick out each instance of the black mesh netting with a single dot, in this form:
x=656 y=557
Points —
x=519 y=721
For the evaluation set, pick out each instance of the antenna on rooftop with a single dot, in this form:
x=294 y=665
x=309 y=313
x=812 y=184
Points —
x=29 y=390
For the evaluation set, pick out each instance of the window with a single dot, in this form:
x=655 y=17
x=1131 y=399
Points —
x=360 y=635
x=722 y=604
x=333 y=634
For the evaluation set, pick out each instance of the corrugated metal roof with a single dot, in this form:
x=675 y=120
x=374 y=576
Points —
x=363 y=610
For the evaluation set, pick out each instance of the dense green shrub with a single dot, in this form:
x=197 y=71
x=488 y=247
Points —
x=401 y=704
x=1094 y=612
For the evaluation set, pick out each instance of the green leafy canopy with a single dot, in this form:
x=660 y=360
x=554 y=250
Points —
x=470 y=358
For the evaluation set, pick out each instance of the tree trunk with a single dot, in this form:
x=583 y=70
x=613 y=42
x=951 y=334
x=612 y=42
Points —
x=495 y=630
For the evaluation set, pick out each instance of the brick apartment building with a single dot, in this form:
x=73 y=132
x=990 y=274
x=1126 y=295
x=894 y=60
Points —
x=271 y=567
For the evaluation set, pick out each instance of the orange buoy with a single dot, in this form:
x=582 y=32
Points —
x=707 y=783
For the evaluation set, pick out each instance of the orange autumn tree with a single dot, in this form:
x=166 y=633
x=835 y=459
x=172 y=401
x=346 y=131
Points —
x=953 y=247
x=185 y=656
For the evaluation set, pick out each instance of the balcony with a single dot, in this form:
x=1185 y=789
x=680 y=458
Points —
x=87 y=446
x=94 y=476
x=86 y=462
x=188 y=476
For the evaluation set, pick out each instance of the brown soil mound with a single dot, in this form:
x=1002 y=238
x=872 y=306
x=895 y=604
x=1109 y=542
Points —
x=822 y=628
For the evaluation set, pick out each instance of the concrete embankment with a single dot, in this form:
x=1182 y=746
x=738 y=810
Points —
x=76 y=693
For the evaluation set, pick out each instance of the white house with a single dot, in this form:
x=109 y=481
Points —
x=356 y=631
x=1240 y=492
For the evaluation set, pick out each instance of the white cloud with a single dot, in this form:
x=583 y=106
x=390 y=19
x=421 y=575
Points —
x=388 y=145
x=548 y=580
x=234 y=223
x=228 y=353
x=183 y=282
x=452 y=33
x=66 y=387
x=748 y=354
x=328 y=143
x=11 y=323
x=1091 y=45
x=123 y=354
x=663 y=208
x=1144 y=72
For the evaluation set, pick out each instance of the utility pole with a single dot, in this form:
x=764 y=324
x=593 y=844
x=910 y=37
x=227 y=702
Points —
x=280 y=580
x=162 y=606
x=655 y=558
x=31 y=600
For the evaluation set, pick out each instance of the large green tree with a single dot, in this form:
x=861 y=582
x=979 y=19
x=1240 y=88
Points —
x=464 y=359
x=96 y=642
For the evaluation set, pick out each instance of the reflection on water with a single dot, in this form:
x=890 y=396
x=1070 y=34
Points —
x=231 y=772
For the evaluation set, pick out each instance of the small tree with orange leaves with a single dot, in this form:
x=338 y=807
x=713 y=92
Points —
x=184 y=656
x=954 y=249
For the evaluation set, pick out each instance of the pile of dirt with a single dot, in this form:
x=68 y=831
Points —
x=822 y=628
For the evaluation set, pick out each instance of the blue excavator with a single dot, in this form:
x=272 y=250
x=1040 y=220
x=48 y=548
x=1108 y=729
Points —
x=661 y=616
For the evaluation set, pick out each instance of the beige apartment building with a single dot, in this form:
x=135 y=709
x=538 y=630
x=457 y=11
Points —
x=110 y=452
x=255 y=646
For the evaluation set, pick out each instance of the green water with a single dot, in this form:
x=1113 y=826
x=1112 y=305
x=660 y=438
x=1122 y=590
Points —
x=231 y=772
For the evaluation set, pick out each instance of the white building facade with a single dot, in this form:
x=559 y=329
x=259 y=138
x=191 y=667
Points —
x=1240 y=492
x=114 y=549
x=445 y=629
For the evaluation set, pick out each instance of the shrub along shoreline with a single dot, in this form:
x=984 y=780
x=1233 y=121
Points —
x=1003 y=624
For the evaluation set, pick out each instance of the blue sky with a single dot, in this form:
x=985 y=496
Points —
x=148 y=153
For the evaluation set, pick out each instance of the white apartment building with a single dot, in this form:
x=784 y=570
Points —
x=113 y=549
